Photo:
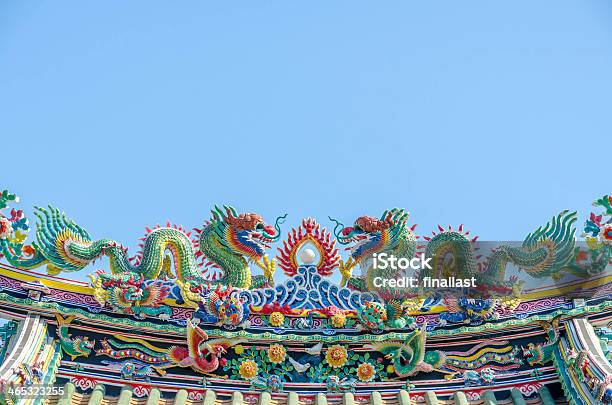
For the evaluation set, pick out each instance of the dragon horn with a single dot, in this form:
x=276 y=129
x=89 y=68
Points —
x=337 y=233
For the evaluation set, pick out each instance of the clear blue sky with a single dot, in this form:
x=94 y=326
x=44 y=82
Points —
x=125 y=114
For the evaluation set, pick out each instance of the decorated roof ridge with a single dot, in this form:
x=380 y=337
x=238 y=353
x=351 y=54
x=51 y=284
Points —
x=165 y=318
x=152 y=328
x=392 y=225
x=55 y=292
x=261 y=320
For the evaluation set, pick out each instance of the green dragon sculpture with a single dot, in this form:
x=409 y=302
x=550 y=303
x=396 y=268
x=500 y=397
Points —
x=229 y=241
x=371 y=235
x=543 y=353
x=409 y=357
x=377 y=316
x=545 y=252
x=73 y=347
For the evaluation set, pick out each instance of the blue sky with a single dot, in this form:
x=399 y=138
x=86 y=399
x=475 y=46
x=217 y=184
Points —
x=125 y=114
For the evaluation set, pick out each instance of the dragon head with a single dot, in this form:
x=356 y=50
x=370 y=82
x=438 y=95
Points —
x=370 y=235
x=373 y=315
x=246 y=234
x=133 y=293
x=533 y=354
x=84 y=345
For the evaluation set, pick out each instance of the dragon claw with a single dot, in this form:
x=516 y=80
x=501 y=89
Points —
x=346 y=270
x=268 y=266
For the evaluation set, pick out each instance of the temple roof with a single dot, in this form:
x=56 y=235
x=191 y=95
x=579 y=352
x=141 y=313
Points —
x=190 y=319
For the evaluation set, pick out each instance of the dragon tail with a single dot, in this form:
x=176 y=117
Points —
x=551 y=328
x=550 y=247
x=61 y=321
x=159 y=358
x=505 y=358
x=53 y=232
x=62 y=324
